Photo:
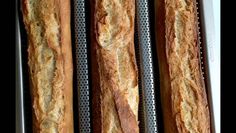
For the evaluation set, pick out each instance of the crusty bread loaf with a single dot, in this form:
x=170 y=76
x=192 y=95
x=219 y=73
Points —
x=47 y=23
x=183 y=94
x=114 y=71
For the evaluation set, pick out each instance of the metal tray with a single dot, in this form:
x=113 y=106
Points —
x=149 y=109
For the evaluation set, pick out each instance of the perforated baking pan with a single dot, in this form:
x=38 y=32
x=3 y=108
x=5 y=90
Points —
x=149 y=107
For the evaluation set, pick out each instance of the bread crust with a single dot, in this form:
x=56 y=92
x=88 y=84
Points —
x=47 y=23
x=183 y=94
x=114 y=70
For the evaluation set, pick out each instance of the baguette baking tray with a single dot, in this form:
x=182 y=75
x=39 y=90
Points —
x=82 y=87
x=149 y=107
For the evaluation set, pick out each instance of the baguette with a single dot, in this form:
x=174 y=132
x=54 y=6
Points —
x=47 y=23
x=114 y=71
x=183 y=94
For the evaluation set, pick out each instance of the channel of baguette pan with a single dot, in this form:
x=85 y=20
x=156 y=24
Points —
x=183 y=94
x=115 y=94
x=47 y=23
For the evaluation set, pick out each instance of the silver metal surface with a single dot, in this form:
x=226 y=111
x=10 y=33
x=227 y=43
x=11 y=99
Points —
x=82 y=66
x=20 y=127
x=146 y=68
x=211 y=40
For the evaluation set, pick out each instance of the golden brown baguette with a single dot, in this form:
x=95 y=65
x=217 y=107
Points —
x=114 y=71
x=183 y=94
x=47 y=23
